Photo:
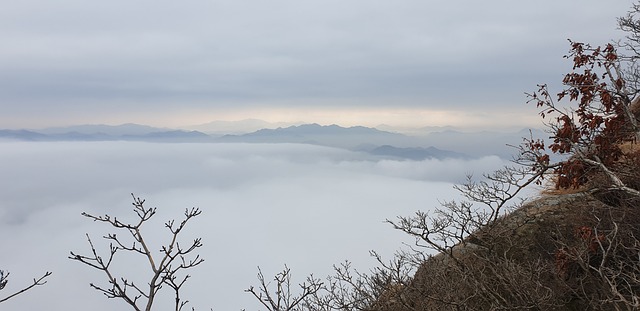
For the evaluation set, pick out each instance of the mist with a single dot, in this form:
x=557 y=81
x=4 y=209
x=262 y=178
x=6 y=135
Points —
x=266 y=205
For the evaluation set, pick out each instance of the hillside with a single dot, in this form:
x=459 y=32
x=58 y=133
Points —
x=575 y=250
x=558 y=252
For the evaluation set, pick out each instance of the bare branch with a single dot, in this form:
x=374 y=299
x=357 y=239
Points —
x=282 y=298
x=36 y=282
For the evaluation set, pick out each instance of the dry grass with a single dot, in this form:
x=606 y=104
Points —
x=549 y=188
x=630 y=147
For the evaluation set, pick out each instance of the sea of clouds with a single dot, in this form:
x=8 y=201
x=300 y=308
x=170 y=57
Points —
x=266 y=205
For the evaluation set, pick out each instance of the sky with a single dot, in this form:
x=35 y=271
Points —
x=176 y=64
x=266 y=205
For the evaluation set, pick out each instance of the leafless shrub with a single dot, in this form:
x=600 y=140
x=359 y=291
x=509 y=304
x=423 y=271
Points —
x=165 y=269
x=346 y=289
x=600 y=262
x=282 y=298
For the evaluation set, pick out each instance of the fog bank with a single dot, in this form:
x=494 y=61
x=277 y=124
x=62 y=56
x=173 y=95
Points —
x=263 y=205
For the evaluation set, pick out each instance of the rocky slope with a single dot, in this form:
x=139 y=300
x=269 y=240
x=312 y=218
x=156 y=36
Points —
x=565 y=251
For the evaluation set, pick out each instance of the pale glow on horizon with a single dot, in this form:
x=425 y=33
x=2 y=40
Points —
x=400 y=118
x=371 y=117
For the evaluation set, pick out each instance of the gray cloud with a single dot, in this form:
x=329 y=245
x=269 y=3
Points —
x=118 y=56
x=307 y=206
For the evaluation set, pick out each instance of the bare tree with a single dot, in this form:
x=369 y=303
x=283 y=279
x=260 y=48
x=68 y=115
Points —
x=165 y=267
x=4 y=279
x=282 y=298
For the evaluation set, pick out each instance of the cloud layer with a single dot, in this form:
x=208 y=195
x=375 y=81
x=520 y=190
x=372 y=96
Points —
x=121 y=61
x=263 y=205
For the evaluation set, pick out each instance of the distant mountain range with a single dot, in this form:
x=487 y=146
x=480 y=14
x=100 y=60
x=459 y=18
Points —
x=450 y=144
x=218 y=128
x=127 y=132
x=327 y=135
x=110 y=130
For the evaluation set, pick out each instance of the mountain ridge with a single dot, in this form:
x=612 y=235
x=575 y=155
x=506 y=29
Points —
x=450 y=143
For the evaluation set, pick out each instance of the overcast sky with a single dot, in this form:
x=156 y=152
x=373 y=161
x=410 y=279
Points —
x=169 y=63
